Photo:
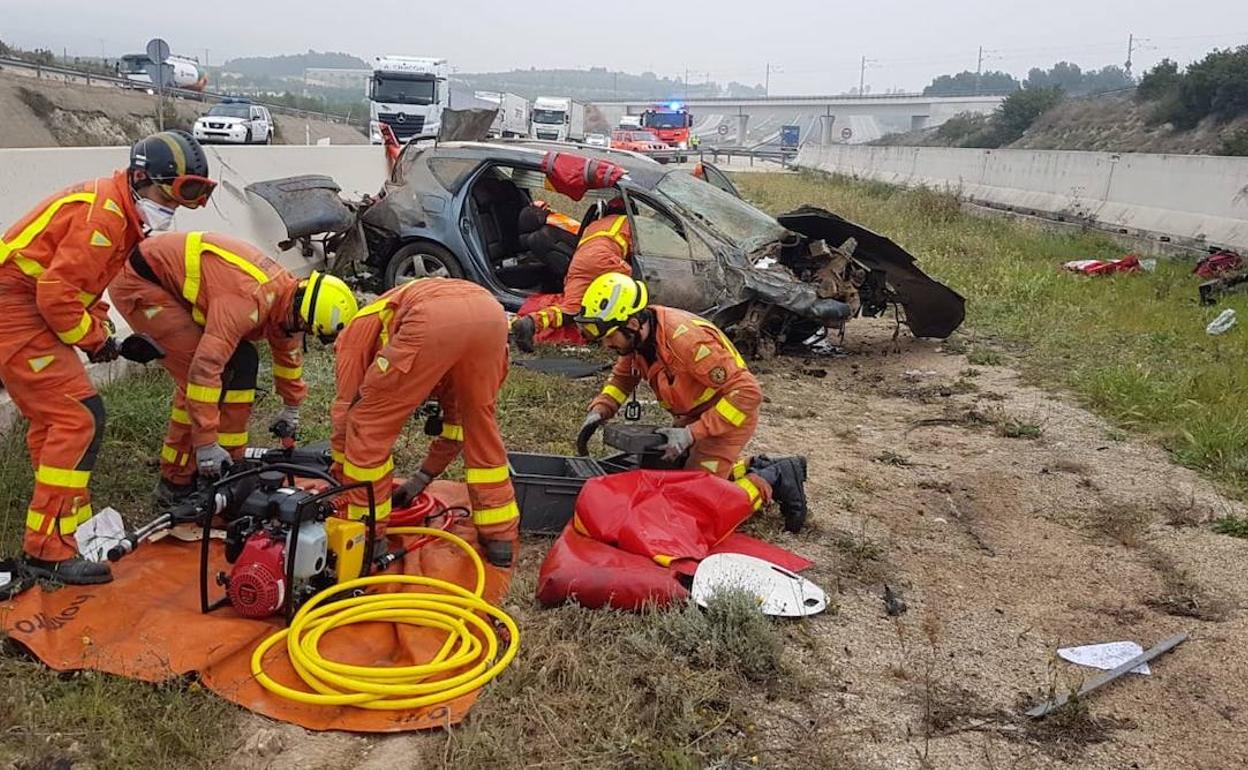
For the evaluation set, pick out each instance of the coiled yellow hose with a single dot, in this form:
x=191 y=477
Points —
x=453 y=610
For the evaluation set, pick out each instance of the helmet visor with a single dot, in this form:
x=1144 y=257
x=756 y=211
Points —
x=188 y=190
x=593 y=329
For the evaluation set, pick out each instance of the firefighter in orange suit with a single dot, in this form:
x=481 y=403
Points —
x=55 y=262
x=606 y=246
x=697 y=375
x=206 y=298
x=433 y=336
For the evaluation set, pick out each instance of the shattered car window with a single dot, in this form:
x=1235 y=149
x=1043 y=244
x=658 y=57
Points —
x=656 y=237
x=451 y=172
x=735 y=220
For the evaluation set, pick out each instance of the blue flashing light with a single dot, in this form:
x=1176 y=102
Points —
x=675 y=105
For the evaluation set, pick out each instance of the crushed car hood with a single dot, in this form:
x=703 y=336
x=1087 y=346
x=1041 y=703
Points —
x=932 y=309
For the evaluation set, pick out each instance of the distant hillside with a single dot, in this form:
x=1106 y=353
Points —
x=291 y=65
x=597 y=83
x=1107 y=123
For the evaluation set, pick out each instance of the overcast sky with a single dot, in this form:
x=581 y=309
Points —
x=812 y=46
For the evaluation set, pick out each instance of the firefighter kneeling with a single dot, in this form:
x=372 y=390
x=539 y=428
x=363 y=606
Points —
x=700 y=378
x=434 y=335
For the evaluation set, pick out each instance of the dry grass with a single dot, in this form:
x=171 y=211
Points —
x=1124 y=524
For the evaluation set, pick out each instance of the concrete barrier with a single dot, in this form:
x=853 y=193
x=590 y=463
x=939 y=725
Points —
x=29 y=175
x=1193 y=201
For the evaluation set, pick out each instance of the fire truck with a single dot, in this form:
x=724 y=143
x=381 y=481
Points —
x=671 y=123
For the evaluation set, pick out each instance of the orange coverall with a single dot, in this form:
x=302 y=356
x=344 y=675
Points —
x=606 y=247
x=205 y=299
x=435 y=335
x=54 y=264
x=700 y=378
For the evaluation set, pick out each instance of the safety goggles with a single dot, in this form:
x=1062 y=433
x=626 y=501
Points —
x=187 y=190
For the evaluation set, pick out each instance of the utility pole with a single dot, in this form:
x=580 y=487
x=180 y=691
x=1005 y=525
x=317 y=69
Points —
x=862 y=77
x=767 y=81
x=686 y=83
x=1130 y=52
x=979 y=69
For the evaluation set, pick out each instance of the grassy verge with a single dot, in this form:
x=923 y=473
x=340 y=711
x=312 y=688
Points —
x=1132 y=347
x=661 y=689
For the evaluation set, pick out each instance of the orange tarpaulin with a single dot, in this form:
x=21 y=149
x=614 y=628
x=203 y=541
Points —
x=146 y=625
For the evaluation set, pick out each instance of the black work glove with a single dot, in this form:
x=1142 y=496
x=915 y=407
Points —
x=522 y=331
x=105 y=352
x=409 y=490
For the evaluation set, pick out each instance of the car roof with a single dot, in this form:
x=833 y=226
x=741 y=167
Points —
x=642 y=171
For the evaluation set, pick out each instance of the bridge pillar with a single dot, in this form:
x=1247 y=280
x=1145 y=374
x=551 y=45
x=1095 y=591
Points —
x=743 y=122
x=826 y=124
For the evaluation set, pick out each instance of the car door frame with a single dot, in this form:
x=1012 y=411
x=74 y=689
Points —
x=683 y=279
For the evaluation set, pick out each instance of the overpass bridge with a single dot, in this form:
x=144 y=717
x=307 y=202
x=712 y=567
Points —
x=821 y=119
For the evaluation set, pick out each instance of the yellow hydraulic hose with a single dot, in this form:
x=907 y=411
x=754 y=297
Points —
x=451 y=609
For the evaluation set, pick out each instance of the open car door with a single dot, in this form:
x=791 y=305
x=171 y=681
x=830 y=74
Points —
x=713 y=176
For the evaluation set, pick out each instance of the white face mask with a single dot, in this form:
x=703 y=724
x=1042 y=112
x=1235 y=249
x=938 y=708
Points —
x=158 y=218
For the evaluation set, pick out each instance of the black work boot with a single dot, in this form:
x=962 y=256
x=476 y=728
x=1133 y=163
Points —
x=787 y=477
x=168 y=494
x=74 y=572
x=499 y=552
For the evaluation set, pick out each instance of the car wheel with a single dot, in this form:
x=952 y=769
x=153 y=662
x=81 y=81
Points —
x=421 y=260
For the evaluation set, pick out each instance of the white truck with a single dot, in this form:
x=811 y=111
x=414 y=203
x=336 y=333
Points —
x=513 y=113
x=407 y=93
x=558 y=118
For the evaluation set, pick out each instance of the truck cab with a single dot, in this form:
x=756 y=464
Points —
x=558 y=118
x=671 y=123
x=409 y=94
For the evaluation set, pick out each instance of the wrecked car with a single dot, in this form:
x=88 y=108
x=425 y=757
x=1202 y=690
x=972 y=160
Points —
x=452 y=209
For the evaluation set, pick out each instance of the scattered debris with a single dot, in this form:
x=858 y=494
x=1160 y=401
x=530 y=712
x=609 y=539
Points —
x=1105 y=656
x=1222 y=324
x=1218 y=263
x=777 y=591
x=1128 y=264
x=893 y=604
x=889 y=457
x=1104 y=679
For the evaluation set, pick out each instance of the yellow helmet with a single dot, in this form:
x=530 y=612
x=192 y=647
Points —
x=327 y=305
x=609 y=302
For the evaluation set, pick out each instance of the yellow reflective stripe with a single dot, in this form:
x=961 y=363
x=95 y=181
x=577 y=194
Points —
x=74 y=336
x=46 y=525
x=83 y=513
x=752 y=491
x=240 y=396
x=287 y=372
x=380 y=308
x=739 y=469
x=663 y=561
x=232 y=439
x=723 y=338
x=170 y=455
x=729 y=412
x=86 y=298
x=356 y=512
x=375 y=473
x=203 y=394
x=615 y=393
x=62 y=477
x=194 y=261
x=38 y=225
x=452 y=432
x=707 y=395
x=180 y=416
x=613 y=232
x=499 y=515
x=338 y=457
x=487 y=475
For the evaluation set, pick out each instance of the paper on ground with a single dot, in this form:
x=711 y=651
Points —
x=1105 y=656
x=99 y=533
